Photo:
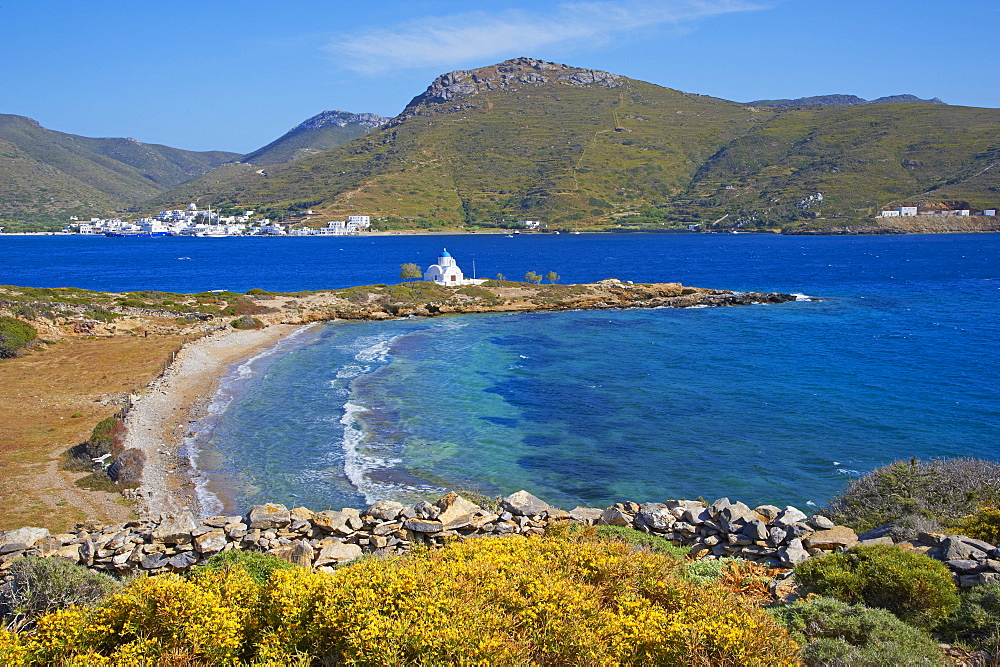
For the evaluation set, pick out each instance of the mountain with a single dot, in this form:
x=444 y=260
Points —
x=574 y=147
x=46 y=176
x=321 y=132
x=837 y=100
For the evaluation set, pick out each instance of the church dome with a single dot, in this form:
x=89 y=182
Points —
x=445 y=253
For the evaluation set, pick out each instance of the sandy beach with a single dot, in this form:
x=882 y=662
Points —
x=161 y=416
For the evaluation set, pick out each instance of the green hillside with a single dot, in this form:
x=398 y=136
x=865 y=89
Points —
x=578 y=148
x=322 y=132
x=46 y=176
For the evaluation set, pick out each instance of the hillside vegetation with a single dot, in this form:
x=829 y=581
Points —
x=576 y=148
x=47 y=176
x=321 y=132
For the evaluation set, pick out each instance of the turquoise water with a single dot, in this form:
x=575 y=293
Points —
x=778 y=403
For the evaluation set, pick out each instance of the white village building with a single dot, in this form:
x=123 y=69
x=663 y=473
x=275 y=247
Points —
x=447 y=273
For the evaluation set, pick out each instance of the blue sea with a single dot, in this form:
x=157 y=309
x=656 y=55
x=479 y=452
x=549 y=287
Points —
x=779 y=403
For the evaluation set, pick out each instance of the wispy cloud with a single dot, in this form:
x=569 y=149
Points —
x=470 y=36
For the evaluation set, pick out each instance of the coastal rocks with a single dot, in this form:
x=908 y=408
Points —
x=326 y=539
x=523 y=503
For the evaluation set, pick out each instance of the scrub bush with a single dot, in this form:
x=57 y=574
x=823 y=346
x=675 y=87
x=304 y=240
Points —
x=14 y=336
x=258 y=565
x=913 y=586
x=835 y=633
x=246 y=322
x=106 y=438
x=127 y=468
x=40 y=585
x=637 y=538
x=977 y=620
x=904 y=491
x=983 y=524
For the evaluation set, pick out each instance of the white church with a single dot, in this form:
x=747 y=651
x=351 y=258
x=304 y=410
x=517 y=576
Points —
x=447 y=273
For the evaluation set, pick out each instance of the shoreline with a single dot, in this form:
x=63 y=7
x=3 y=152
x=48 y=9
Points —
x=163 y=413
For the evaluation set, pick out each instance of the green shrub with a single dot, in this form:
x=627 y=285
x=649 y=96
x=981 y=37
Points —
x=977 y=620
x=637 y=538
x=904 y=491
x=260 y=566
x=14 y=336
x=246 y=322
x=915 y=587
x=835 y=633
x=40 y=585
x=106 y=438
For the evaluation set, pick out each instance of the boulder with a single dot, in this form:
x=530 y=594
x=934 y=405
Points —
x=955 y=548
x=455 y=511
x=777 y=535
x=175 y=530
x=794 y=553
x=656 y=516
x=735 y=516
x=767 y=512
x=425 y=510
x=269 y=515
x=183 y=560
x=385 y=510
x=820 y=522
x=299 y=514
x=153 y=561
x=839 y=536
x=334 y=522
x=337 y=552
x=756 y=530
x=613 y=516
x=964 y=566
x=27 y=536
x=877 y=532
x=586 y=515
x=424 y=525
x=523 y=503
x=555 y=514
x=876 y=540
x=696 y=515
x=788 y=516
x=210 y=542
x=715 y=508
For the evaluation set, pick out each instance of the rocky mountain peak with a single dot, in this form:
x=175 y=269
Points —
x=341 y=119
x=510 y=74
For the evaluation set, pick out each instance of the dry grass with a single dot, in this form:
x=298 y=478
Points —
x=39 y=393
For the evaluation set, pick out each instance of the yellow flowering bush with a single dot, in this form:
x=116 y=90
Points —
x=574 y=600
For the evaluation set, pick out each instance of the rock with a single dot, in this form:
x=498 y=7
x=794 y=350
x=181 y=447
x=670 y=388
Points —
x=455 y=511
x=954 y=548
x=756 y=530
x=696 y=515
x=931 y=539
x=964 y=566
x=656 y=516
x=175 y=530
x=586 y=515
x=385 y=510
x=235 y=531
x=153 y=561
x=615 y=517
x=425 y=510
x=777 y=535
x=333 y=522
x=794 y=553
x=210 y=542
x=734 y=517
x=300 y=514
x=767 y=512
x=555 y=514
x=877 y=532
x=337 y=552
x=424 y=525
x=820 y=522
x=27 y=536
x=985 y=547
x=523 y=503
x=15 y=547
x=699 y=550
x=270 y=515
x=839 y=536
x=876 y=540
x=788 y=516
x=715 y=508
x=182 y=561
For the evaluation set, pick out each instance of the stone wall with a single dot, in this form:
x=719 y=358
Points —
x=779 y=537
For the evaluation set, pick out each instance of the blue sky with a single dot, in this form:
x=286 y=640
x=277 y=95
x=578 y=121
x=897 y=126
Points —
x=234 y=75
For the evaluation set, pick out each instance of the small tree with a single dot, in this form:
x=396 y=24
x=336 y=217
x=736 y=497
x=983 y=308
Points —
x=501 y=276
x=409 y=271
x=532 y=277
x=552 y=277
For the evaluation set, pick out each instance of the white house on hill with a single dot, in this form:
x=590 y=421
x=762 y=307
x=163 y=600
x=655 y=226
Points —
x=447 y=273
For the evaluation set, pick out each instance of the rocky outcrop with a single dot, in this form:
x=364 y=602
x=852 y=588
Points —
x=509 y=75
x=777 y=537
x=341 y=119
